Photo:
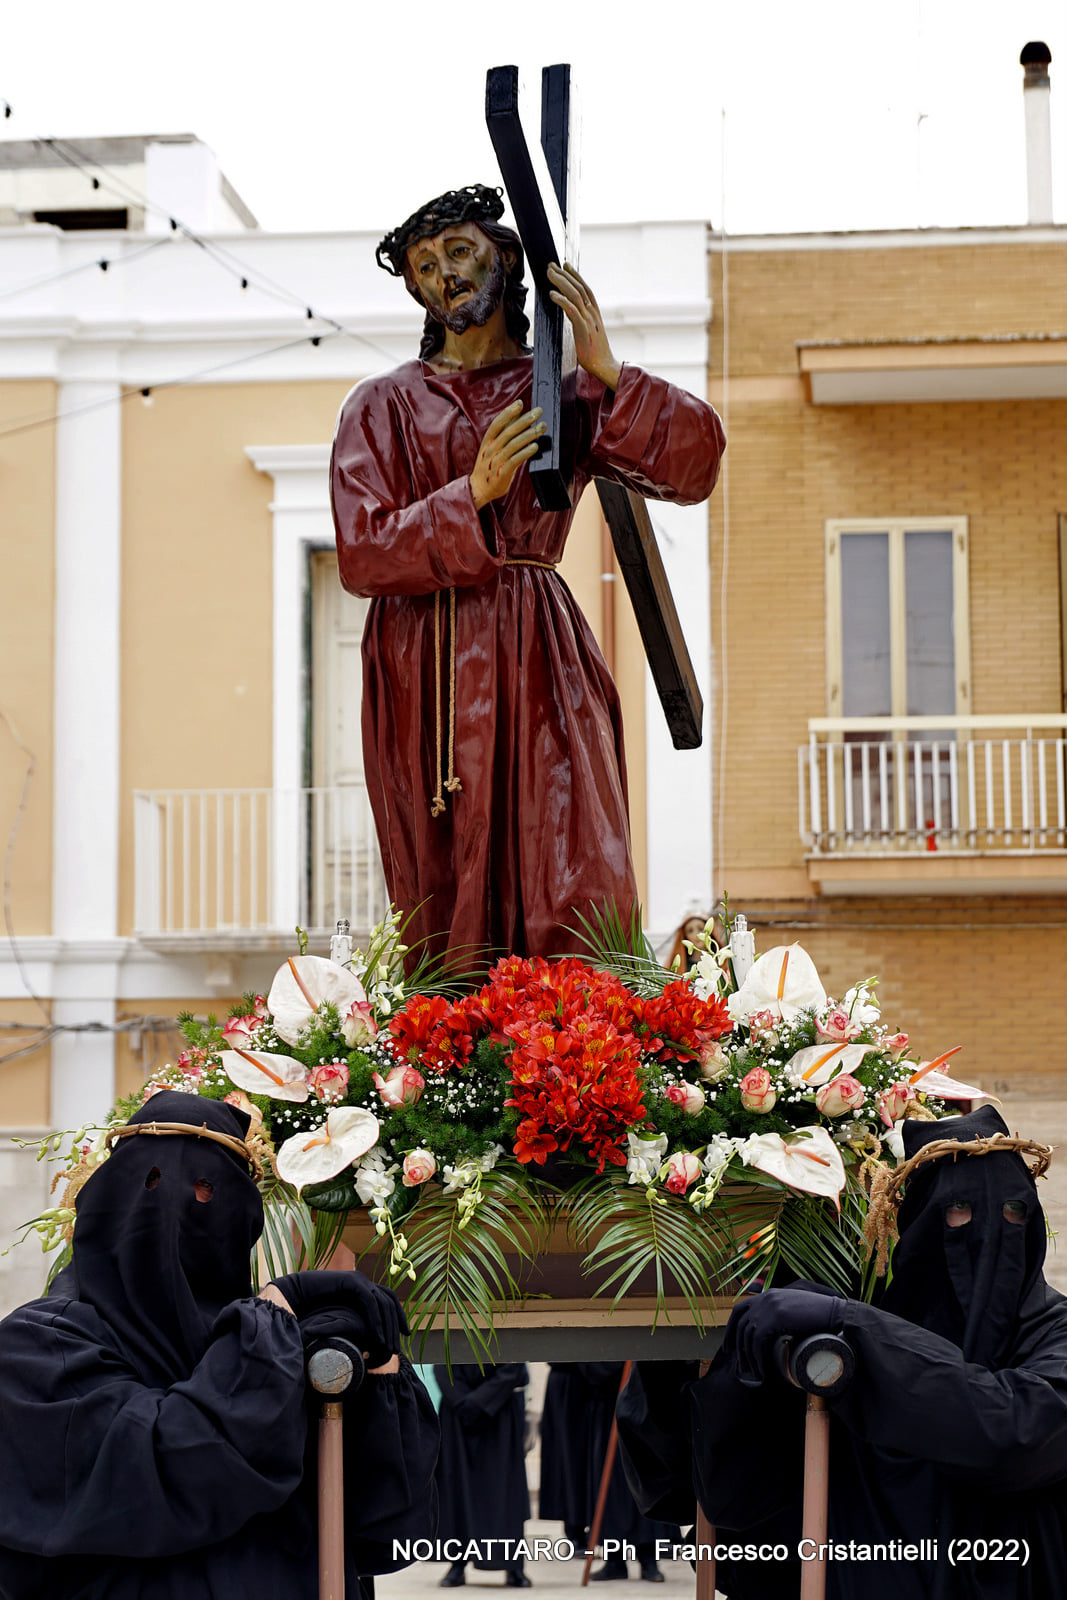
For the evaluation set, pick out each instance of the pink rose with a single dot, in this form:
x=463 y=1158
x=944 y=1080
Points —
x=756 y=1091
x=419 y=1167
x=153 y=1088
x=763 y=1025
x=896 y=1044
x=260 y=1007
x=402 y=1087
x=837 y=1027
x=239 y=1099
x=683 y=1170
x=330 y=1081
x=688 y=1097
x=358 y=1025
x=841 y=1094
x=712 y=1060
x=891 y=1102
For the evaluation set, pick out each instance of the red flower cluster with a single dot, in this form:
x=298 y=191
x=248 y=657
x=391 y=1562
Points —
x=574 y=1066
x=434 y=1032
x=678 y=1023
x=576 y=1037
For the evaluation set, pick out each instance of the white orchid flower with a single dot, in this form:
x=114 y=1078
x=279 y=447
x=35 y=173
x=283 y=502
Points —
x=375 y=1181
x=645 y=1158
x=809 y=1161
x=861 y=1004
x=302 y=985
x=782 y=981
x=260 y=1072
x=816 y=1064
x=321 y=1153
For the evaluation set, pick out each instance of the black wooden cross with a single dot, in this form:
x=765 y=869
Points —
x=539 y=178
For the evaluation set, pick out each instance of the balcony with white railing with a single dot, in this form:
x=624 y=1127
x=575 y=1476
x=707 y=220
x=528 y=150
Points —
x=965 y=804
x=240 y=868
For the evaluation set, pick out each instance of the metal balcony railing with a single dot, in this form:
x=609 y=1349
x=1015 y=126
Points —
x=239 y=862
x=969 y=784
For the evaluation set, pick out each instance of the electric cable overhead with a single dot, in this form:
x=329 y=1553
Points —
x=53 y=417
x=101 y=264
x=223 y=257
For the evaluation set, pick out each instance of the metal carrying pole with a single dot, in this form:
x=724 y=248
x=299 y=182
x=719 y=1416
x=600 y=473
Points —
x=822 y=1366
x=333 y=1369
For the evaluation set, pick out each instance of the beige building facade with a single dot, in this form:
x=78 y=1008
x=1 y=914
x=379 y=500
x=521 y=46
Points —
x=180 y=771
x=891 y=576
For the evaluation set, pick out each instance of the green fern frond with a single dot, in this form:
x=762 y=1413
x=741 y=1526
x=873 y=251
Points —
x=801 y=1234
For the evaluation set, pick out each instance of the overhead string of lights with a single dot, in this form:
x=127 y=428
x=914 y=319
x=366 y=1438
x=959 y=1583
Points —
x=246 y=276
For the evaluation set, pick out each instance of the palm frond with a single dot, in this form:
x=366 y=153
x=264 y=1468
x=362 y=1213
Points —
x=625 y=1228
x=800 y=1233
x=462 y=1272
x=621 y=948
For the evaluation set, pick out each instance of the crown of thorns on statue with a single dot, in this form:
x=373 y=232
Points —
x=880 y=1226
x=476 y=203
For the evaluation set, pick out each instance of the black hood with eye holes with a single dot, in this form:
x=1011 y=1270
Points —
x=971 y=1283
x=156 y=1263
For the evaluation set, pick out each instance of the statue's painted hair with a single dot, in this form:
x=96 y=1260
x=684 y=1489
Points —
x=476 y=203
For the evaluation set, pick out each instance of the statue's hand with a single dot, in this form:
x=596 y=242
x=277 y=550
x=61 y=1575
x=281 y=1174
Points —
x=590 y=340
x=510 y=439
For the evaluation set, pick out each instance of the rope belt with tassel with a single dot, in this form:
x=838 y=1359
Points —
x=452 y=784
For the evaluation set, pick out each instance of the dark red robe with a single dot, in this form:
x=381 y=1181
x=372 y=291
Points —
x=539 y=829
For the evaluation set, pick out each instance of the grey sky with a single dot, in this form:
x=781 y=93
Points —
x=326 y=116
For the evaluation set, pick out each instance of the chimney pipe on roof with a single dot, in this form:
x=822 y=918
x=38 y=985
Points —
x=1035 y=59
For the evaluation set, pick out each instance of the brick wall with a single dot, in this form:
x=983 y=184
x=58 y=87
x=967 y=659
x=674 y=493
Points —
x=982 y=971
x=986 y=974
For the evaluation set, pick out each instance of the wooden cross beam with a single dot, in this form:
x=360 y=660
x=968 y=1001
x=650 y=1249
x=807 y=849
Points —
x=539 y=178
x=539 y=181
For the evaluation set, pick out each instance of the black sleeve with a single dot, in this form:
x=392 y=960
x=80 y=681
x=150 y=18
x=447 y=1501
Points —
x=96 y=1462
x=984 y=1428
x=391 y=1442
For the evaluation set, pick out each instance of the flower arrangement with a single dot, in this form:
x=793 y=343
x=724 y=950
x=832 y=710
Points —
x=697 y=1121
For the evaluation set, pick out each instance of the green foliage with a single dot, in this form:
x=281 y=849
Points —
x=798 y=1231
x=641 y=1226
x=460 y=1255
x=294 y=1237
x=618 y=947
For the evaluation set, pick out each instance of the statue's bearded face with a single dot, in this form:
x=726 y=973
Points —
x=459 y=275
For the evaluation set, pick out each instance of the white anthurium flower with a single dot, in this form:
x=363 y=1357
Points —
x=259 y=1072
x=321 y=1153
x=816 y=1064
x=928 y=1080
x=893 y=1140
x=302 y=985
x=782 y=981
x=946 y=1088
x=809 y=1161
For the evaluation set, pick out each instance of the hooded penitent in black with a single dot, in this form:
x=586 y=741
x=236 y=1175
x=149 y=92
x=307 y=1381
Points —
x=153 y=1418
x=954 y=1427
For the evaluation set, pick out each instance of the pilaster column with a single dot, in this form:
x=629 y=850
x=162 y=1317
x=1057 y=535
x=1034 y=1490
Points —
x=86 y=748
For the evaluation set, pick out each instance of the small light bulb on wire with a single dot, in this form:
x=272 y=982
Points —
x=146 y=398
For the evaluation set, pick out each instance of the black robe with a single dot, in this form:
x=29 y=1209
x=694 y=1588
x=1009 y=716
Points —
x=154 y=1428
x=575 y=1427
x=953 y=1429
x=481 y=1471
